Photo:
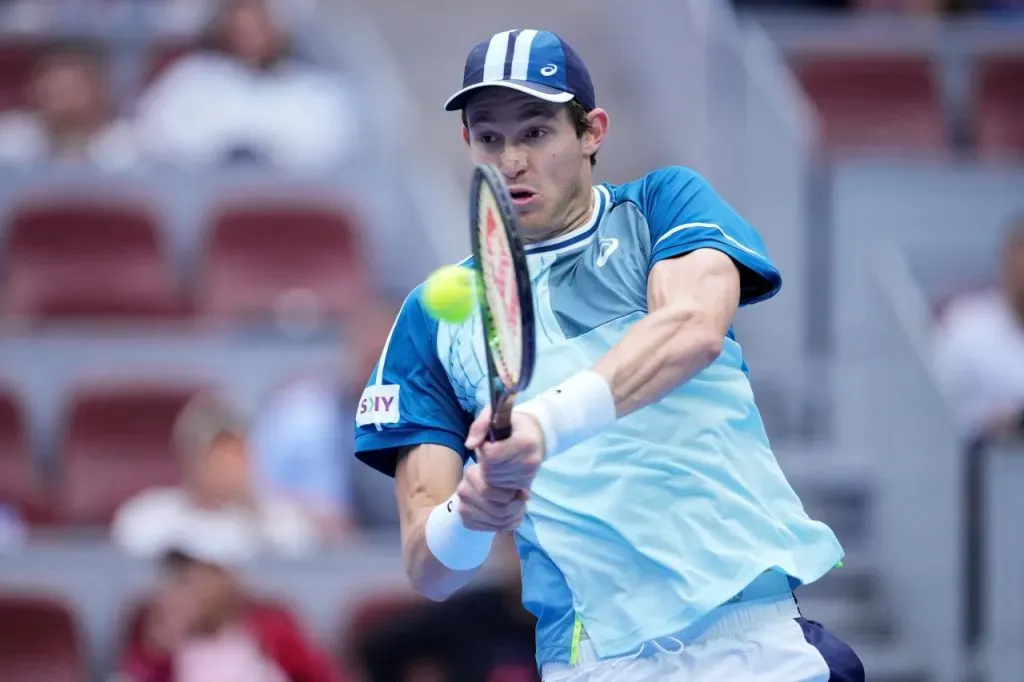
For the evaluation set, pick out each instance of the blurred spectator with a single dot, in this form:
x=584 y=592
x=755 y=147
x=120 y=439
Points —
x=246 y=99
x=980 y=348
x=70 y=116
x=216 y=500
x=481 y=634
x=303 y=452
x=202 y=626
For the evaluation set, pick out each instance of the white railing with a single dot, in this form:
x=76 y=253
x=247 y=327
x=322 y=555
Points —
x=920 y=512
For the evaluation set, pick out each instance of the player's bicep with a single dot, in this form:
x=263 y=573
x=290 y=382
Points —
x=686 y=214
x=704 y=283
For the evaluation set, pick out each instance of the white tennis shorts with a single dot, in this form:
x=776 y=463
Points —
x=763 y=641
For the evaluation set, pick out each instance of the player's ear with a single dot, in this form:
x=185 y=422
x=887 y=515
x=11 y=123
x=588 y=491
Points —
x=597 y=127
x=465 y=134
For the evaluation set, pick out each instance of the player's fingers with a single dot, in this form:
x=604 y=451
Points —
x=496 y=495
x=477 y=515
x=515 y=513
x=507 y=476
x=505 y=450
x=478 y=429
x=475 y=485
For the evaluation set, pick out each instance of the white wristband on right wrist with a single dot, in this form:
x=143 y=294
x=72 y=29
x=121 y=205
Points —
x=578 y=408
x=451 y=543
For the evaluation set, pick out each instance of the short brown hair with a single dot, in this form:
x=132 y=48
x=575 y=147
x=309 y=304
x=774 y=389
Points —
x=206 y=418
x=577 y=114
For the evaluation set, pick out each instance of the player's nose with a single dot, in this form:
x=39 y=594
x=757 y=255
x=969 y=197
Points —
x=513 y=162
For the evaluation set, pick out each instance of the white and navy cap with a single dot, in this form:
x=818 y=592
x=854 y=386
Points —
x=538 y=63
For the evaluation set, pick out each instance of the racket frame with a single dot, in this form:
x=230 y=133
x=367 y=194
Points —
x=503 y=397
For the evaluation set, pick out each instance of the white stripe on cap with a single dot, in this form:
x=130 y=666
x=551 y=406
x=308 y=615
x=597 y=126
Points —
x=494 y=62
x=521 y=54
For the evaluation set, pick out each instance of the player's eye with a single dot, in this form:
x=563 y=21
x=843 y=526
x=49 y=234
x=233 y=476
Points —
x=536 y=133
x=488 y=139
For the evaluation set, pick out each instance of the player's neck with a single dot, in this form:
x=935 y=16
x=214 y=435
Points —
x=579 y=213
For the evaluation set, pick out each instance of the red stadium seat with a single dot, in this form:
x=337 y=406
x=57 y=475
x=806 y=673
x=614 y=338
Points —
x=79 y=259
x=262 y=261
x=40 y=640
x=999 y=110
x=869 y=103
x=116 y=443
x=20 y=486
x=17 y=66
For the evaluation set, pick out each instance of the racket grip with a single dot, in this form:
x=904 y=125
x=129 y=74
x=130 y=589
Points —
x=501 y=421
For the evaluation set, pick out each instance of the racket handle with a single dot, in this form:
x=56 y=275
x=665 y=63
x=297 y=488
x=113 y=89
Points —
x=501 y=421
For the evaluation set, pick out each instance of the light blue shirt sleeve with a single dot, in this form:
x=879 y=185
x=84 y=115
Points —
x=685 y=213
x=409 y=399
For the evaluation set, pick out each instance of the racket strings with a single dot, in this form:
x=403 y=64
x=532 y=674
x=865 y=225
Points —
x=504 y=332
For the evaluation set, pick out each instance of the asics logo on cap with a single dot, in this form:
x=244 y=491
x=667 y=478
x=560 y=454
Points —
x=537 y=63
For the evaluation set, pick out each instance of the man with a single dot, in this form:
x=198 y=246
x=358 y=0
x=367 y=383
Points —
x=68 y=119
x=203 y=625
x=979 y=348
x=659 y=539
x=216 y=499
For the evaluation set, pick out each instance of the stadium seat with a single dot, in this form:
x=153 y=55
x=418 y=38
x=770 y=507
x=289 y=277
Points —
x=17 y=64
x=999 y=108
x=72 y=259
x=39 y=640
x=281 y=258
x=872 y=104
x=20 y=486
x=116 y=443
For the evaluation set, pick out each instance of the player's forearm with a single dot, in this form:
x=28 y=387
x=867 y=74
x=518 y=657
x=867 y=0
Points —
x=691 y=300
x=427 y=574
x=440 y=554
x=661 y=352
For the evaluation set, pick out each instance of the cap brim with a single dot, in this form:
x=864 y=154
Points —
x=548 y=94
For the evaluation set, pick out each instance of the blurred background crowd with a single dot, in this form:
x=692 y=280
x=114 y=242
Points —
x=210 y=212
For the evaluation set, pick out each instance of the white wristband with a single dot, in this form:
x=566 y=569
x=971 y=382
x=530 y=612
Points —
x=454 y=545
x=578 y=408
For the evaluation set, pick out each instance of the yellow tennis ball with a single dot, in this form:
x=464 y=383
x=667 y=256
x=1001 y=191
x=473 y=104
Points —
x=448 y=293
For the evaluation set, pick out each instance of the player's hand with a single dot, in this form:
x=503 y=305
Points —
x=486 y=507
x=511 y=463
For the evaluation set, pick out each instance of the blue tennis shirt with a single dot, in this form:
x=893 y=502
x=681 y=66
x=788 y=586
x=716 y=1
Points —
x=674 y=509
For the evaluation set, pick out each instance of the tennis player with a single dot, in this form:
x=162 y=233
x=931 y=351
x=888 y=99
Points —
x=658 y=537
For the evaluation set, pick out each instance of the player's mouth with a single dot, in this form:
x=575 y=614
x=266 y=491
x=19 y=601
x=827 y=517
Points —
x=521 y=196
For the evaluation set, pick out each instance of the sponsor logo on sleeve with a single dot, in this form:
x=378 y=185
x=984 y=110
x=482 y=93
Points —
x=378 y=405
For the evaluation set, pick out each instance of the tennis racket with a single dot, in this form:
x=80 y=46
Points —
x=506 y=305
